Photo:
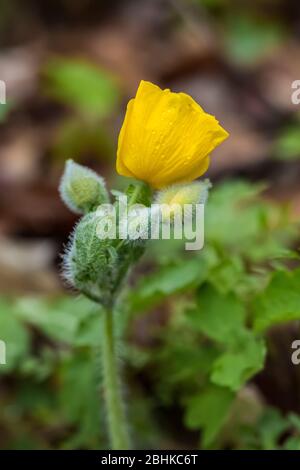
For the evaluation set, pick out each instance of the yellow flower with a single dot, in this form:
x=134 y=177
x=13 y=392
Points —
x=166 y=137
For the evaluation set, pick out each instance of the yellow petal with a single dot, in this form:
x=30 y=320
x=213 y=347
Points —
x=166 y=137
x=121 y=168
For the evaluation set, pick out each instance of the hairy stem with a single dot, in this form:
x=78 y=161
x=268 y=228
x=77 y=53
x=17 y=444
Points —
x=132 y=200
x=113 y=396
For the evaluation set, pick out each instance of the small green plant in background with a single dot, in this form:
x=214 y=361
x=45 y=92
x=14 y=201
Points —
x=92 y=95
x=287 y=144
x=3 y=112
x=248 y=34
x=250 y=38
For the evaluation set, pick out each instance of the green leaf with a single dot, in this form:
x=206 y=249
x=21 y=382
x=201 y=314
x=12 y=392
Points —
x=279 y=302
x=89 y=329
x=218 y=316
x=227 y=203
x=14 y=335
x=167 y=281
x=209 y=411
x=249 y=38
x=184 y=363
x=292 y=443
x=80 y=398
x=222 y=318
x=271 y=426
x=82 y=86
x=294 y=420
x=287 y=146
x=235 y=367
x=4 y=110
x=228 y=274
x=139 y=193
x=263 y=231
x=60 y=319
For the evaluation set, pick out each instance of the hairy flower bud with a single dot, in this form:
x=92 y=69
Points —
x=81 y=189
x=96 y=266
x=180 y=196
x=193 y=193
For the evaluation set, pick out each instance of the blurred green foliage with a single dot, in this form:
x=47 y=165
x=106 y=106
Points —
x=4 y=110
x=287 y=144
x=216 y=308
x=249 y=38
x=83 y=86
x=272 y=431
x=249 y=31
x=91 y=94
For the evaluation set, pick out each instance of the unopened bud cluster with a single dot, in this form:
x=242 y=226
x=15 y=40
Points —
x=97 y=265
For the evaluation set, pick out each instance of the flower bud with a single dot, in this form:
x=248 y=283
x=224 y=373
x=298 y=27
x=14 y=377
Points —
x=88 y=263
x=175 y=198
x=94 y=265
x=193 y=193
x=81 y=189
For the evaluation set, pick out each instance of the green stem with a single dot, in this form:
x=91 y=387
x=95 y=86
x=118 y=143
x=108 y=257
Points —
x=132 y=200
x=113 y=397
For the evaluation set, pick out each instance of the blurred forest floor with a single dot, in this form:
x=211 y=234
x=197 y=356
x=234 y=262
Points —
x=237 y=61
